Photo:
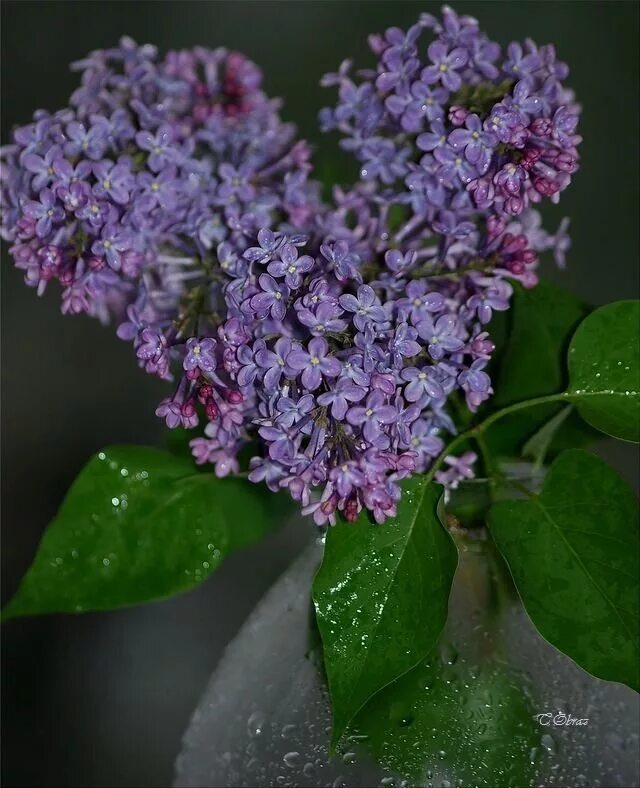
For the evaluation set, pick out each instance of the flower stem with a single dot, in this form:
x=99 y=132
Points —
x=477 y=431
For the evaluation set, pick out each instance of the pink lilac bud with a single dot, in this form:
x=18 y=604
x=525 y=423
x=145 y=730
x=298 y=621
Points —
x=458 y=115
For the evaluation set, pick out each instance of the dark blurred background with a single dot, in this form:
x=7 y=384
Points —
x=103 y=699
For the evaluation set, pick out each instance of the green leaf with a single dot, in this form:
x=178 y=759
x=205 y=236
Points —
x=573 y=554
x=537 y=446
x=139 y=524
x=474 y=721
x=465 y=713
x=533 y=364
x=381 y=598
x=604 y=369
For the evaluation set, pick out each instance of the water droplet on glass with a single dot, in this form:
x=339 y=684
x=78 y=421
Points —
x=292 y=759
x=255 y=724
x=548 y=742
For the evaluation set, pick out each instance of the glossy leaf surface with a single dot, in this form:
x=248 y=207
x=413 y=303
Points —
x=604 y=367
x=140 y=524
x=381 y=597
x=573 y=554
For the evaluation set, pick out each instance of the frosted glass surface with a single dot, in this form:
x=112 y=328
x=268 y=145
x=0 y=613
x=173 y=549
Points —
x=264 y=719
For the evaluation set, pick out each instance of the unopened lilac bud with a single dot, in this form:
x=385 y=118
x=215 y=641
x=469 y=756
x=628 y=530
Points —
x=212 y=410
x=233 y=396
x=384 y=383
x=458 y=115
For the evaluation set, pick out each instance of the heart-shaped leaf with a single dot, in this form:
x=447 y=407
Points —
x=604 y=369
x=573 y=554
x=533 y=364
x=139 y=524
x=381 y=597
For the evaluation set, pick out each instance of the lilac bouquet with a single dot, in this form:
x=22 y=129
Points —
x=331 y=338
x=342 y=350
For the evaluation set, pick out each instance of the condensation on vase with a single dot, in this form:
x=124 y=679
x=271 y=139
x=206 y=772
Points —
x=265 y=720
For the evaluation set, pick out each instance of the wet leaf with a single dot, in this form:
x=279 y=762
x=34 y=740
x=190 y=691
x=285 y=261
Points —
x=381 y=598
x=604 y=369
x=573 y=554
x=466 y=712
x=140 y=524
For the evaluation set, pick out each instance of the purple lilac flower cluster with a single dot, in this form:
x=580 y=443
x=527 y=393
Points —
x=332 y=338
x=151 y=166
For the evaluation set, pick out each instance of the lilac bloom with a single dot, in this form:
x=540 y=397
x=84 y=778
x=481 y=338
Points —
x=519 y=65
x=229 y=261
x=523 y=101
x=484 y=54
x=236 y=182
x=561 y=243
x=447 y=224
x=460 y=468
x=371 y=416
x=347 y=477
x=91 y=142
x=171 y=412
x=397 y=72
x=352 y=369
x=453 y=165
x=436 y=138
x=113 y=180
x=46 y=213
x=249 y=368
x=319 y=293
x=419 y=302
x=269 y=243
x=324 y=319
x=478 y=145
x=345 y=263
x=292 y=411
x=511 y=178
x=42 y=167
x=421 y=382
x=314 y=363
x=291 y=266
x=113 y=241
x=74 y=195
x=159 y=189
x=339 y=397
x=160 y=148
x=371 y=352
x=95 y=212
x=505 y=124
x=152 y=344
x=475 y=383
x=445 y=65
x=440 y=335
x=366 y=307
x=201 y=354
x=486 y=301
x=424 y=440
x=274 y=363
x=398 y=262
x=406 y=417
x=403 y=345
x=458 y=30
x=67 y=174
x=273 y=298
x=382 y=159
x=425 y=190
x=280 y=442
x=563 y=127
x=426 y=102
x=359 y=103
